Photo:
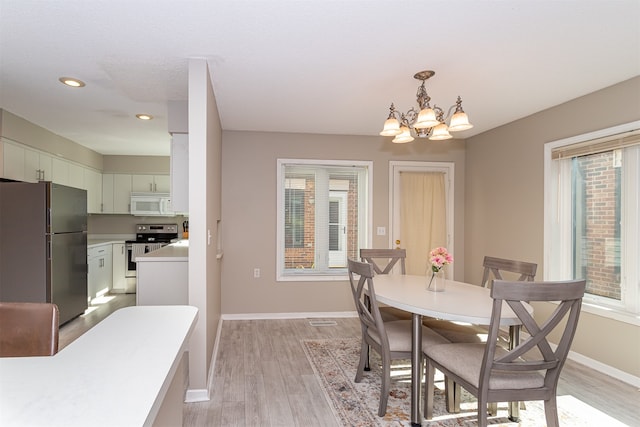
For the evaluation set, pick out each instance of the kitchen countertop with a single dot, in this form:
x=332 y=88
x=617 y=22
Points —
x=175 y=252
x=106 y=239
x=84 y=384
x=100 y=242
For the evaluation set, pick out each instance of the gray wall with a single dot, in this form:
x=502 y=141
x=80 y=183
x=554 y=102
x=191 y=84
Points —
x=20 y=130
x=249 y=213
x=504 y=203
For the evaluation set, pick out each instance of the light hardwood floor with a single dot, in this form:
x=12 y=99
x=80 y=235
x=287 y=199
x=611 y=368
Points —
x=262 y=376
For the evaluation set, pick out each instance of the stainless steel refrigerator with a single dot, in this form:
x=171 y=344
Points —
x=43 y=245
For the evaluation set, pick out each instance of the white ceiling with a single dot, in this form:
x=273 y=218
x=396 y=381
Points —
x=313 y=66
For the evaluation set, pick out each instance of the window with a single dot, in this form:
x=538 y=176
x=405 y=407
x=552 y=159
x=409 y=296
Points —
x=323 y=217
x=294 y=217
x=592 y=187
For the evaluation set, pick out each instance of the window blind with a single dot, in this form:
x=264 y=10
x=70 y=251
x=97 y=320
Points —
x=599 y=145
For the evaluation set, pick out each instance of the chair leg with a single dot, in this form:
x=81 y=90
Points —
x=384 y=389
x=551 y=412
x=364 y=359
x=452 y=391
x=482 y=412
x=367 y=366
x=428 y=391
x=492 y=408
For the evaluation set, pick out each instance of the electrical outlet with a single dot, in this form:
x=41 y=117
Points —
x=256 y=273
x=382 y=231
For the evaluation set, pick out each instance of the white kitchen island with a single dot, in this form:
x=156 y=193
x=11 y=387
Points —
x=163 y=275
x=129 y=370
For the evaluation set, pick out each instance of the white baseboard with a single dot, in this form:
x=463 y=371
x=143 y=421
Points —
x=605 y=369
x=202 y=395
x=196 y=395
x=266 y=316
x=597 y=366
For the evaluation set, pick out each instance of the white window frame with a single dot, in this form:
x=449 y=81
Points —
x=364 y=219
x=557 y=232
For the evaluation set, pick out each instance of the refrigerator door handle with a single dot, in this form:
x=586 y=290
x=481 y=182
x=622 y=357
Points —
x=49 y=247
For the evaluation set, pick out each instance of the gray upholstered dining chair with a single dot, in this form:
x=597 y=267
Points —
x=529 y=371
x=391 y=340
x=494 y=269
x=28 y=329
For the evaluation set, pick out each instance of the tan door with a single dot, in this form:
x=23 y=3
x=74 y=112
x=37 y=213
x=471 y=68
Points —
x=422 y=218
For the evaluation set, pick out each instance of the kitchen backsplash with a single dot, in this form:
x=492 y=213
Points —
x=125 y=224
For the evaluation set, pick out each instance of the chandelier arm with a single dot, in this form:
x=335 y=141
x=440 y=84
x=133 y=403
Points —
x=411 y=116
x=449 y=112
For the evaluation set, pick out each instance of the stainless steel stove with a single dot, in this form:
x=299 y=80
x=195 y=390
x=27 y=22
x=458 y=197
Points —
x=149 y=237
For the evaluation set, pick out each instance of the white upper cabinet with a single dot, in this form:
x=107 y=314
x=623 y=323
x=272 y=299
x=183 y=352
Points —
x=116 y=193
x=180 y=172
x=24 y=164
x=77 y=176
x=122 y=193
x=45 y=169
x=151 y=183
x=60 y=172
x=93 y=185
x=14 y=164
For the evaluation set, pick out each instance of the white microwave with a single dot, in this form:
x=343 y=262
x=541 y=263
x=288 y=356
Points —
x=151 y=204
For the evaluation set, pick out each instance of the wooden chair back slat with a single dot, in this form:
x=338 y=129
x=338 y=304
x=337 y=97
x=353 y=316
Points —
x=383 y=260
x=494 y=267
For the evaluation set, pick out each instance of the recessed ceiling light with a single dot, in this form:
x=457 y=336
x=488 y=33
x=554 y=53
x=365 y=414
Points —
x=144 y=116
x=70 y=81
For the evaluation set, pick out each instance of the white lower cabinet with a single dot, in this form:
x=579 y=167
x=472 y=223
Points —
x=119 y=268
x=100 y=262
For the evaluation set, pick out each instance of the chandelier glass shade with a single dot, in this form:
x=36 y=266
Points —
x=426 y=122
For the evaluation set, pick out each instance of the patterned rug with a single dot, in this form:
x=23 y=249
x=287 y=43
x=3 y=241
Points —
x=356 y=404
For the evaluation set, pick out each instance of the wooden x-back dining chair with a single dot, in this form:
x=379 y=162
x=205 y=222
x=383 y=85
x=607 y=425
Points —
x=28 y=329
x=391 y=340
x=494 y=269
x=529 y=371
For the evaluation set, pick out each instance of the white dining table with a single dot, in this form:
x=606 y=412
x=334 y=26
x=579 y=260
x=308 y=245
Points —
x=459 y=301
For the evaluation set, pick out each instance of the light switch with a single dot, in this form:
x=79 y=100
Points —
x=382 y=231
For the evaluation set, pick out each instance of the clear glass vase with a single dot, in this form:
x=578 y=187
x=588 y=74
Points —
x=436 y=281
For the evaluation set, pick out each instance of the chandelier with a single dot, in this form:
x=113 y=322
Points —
x=427 y=122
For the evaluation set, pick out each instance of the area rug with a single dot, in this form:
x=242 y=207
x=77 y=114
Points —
x=356 y=404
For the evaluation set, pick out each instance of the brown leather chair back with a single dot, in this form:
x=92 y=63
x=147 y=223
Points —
x=28 y=329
